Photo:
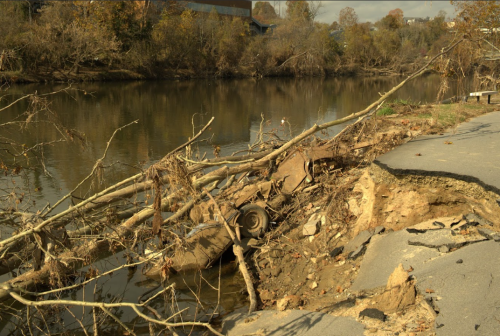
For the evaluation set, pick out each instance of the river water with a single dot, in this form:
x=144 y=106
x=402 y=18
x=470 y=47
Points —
x=168 y=112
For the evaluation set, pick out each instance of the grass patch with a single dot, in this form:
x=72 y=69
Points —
x=449 y=115
x=425 y=115
x=386 y=110
x=446 y=108
x=450 y=118
x=473 y=106
x=400 y=101
x=400 y=106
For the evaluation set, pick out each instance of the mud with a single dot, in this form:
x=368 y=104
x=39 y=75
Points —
x=326 y=200
x=315 y=272
x=308 y=270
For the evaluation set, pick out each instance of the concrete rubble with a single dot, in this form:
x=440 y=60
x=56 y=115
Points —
x=433 y=276
x=430 y=267
x=410 y=249
x=460 y=284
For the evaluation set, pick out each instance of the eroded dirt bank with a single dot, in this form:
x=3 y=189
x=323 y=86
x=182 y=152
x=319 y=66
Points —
x=315 y=272
x=345 y=237
x=312 y=258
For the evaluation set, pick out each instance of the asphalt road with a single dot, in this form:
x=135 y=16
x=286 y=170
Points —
x=470 y=153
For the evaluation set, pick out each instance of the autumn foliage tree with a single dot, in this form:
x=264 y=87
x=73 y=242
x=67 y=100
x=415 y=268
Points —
x=478 y=21
x=393 y=20
x=66 y=38
x=74 y=39
x=264 y=12
x=298 y=10
x=472 y=15
x=398 y=15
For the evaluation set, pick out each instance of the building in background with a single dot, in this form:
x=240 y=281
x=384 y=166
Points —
x=416 y=20
x=236 y=8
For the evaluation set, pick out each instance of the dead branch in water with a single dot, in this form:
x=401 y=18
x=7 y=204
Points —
x=104 y=306
x=39 y=227
x=238 y=251
x=118 y=235
x=97 y=165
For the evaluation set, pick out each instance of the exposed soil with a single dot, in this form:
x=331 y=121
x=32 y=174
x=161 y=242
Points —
x=297 y=271
x=297 y=265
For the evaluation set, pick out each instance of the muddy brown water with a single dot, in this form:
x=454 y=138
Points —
x=167 y=112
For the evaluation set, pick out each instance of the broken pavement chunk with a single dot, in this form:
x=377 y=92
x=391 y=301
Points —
x=435 y=224
x=474 y=219
x=358 y=252
x=489 y=234
x=379 y=229
x=442 y=238
x=311 y=228
x=362 y=238
x=468 y=221
x=373 y=313
x=290 y=322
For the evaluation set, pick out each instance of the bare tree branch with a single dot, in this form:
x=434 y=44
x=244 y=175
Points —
x=102 y=305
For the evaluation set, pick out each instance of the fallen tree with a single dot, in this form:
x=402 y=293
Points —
x=184 y=181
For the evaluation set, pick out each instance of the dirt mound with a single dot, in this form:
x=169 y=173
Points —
x=319 y=270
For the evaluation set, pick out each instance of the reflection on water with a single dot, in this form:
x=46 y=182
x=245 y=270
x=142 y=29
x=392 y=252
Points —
x=168 y=113
x=196 y=295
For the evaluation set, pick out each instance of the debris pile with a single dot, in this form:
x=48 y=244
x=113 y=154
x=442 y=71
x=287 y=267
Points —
x=314 y=224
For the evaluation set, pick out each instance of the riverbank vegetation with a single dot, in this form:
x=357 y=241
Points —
x=98 y=40
x=51 y=253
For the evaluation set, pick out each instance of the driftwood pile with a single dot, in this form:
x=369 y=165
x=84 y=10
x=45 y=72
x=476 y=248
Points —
x=272 y=171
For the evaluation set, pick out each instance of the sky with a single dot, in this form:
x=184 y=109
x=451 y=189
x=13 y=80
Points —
x=375 y=10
